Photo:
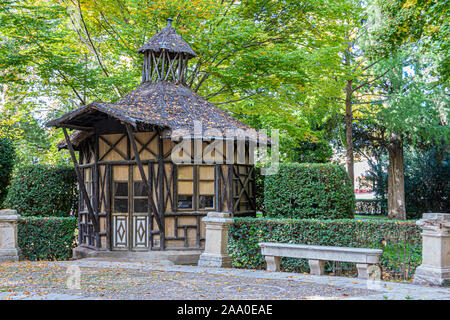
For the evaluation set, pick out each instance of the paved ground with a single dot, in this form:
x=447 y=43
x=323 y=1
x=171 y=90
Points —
x=100 y=279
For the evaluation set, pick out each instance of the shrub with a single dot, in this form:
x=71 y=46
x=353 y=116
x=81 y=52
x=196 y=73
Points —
x=6 y=166
x=42 y=238
x=309 y=191
x=392 y=236
x=43 y=191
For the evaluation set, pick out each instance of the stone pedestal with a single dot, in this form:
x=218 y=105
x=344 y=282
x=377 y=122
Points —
x=435 y=267
x=216 y=254
x=9 y=250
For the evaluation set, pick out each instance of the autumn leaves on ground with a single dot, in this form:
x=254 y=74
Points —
x=39 y=279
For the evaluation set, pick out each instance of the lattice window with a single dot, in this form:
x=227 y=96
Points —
x=206 y=188
x=185 y=200
x=140 y=197
x=120 y=203
x=196 y=188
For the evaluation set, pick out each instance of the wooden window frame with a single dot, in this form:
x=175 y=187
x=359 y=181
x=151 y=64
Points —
x=196 y=189
x=114 y=197
x=135 y=197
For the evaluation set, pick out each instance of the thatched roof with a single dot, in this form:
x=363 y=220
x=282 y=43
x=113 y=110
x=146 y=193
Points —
x=162 y=105
x=168 y=39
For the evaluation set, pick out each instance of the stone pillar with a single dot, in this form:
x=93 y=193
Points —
x=216 y=254
x=9 y=250
x=435 y=267
x=273 y=263
x=316 y=267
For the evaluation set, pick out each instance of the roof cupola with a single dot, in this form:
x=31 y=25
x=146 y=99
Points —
x=166 y=56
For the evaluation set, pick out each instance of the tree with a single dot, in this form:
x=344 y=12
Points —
x=403 y=22
x=269 y=62
x=413 y=112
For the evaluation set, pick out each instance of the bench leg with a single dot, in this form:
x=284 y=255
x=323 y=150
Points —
x=316 y=267
x=363 y=270
x=273 y=263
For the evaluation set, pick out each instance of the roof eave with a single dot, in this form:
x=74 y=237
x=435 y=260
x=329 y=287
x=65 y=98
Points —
x=64 y=120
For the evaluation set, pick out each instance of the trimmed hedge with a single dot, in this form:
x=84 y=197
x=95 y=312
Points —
x=42 y=238
x=43 y=191
x=309 y=191
x=400 y=240
x=6 y=166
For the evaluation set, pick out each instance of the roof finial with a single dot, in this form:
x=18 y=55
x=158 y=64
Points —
x=169 y=22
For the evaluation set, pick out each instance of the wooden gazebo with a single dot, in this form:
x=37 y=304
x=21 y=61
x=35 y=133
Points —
x=133 y=195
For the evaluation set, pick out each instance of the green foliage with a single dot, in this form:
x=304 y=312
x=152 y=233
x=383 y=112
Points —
x=46 y=238
x=400 y=22
x=44 y=191
x=392 y=236
x=313 y=152
x=32 y=142
x=6 y=165
x=309 y=191
x=427 y=174
x=427 y=187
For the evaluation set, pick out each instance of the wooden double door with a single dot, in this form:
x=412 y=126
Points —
x=130 y=214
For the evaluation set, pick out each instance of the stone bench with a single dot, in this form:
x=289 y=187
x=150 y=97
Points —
x=317 y=255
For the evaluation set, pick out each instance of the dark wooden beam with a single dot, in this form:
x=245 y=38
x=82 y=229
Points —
x=243 y=185
x=145 y=145
x=81 y=184
x=108 y=210
x=112 y=147
x=69 y=126
x=218 y=187
x=143 y=176
x=161 y=173
x=95 y=188
x=230 y=199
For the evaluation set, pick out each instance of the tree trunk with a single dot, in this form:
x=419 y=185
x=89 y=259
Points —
x=396 y=180
x=349 y=132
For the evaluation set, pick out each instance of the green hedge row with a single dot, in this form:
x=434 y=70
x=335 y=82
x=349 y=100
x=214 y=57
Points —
x=43 y=191
x=42 y=238
x=309 y=191
x=400 y=240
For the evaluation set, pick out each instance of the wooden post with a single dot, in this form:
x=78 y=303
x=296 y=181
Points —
x=108 y=178
x=161 y=207
x=95 y=190
x=81 y=184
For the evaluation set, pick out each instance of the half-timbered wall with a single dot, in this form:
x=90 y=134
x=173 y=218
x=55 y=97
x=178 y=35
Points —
x=184 y=193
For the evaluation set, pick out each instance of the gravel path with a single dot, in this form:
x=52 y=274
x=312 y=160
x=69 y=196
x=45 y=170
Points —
x=34 y=279
x=137 y=280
